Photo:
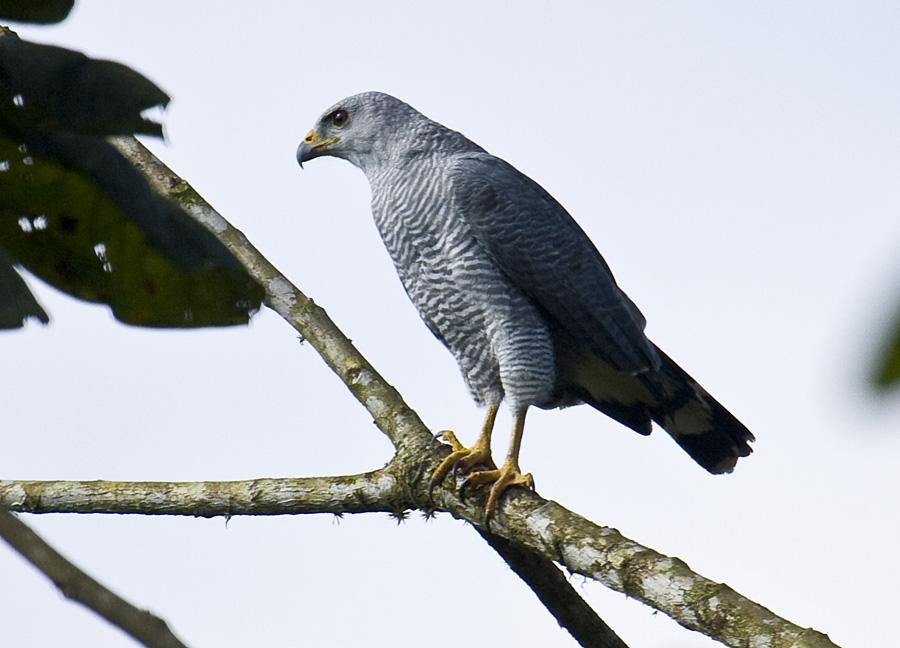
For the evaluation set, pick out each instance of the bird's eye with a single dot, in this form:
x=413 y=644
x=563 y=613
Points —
x=339 y=118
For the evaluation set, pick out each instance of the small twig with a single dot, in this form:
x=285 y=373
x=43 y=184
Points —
x=145 y=627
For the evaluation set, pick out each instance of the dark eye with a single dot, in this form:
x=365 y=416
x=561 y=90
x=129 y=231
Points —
x=339 y=118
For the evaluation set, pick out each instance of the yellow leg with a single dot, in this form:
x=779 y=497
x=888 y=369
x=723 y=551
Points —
x=507 y=475
x=463 y=458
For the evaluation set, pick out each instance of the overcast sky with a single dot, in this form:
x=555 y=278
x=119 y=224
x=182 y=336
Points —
x=736 y=165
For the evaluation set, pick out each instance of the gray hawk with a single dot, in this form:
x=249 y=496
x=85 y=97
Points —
x=513 y=287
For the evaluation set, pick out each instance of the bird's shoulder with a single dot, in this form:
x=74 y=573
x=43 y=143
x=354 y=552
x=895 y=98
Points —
x=478 y=168
x=496 y=197
x=485 y=186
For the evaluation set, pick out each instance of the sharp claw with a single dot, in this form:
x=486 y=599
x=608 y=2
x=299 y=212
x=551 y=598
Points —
x=449 y=438
x=463 y=488
x=436 y=478
x=489 y=509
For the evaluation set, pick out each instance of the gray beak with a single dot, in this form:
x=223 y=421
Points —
x=313 y=147
x=304 y=153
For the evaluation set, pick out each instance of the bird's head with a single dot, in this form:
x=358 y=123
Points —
x=363 y=129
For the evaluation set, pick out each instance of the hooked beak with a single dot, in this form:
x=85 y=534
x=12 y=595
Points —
x=312 y=147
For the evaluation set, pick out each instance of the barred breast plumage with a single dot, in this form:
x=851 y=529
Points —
x=496 y=334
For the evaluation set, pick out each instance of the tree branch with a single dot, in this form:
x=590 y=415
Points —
x=556 y=593
x=525 y=519
x=662 y=582
x=143 y=626
x=364 y=493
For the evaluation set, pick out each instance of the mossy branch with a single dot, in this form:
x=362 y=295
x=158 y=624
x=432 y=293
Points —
x=526 y=521
x=364 y=493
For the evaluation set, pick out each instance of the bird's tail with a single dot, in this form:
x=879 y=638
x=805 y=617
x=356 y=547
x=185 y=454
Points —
x=707 y=431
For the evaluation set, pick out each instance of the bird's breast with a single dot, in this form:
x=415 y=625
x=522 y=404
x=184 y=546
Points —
x=464 y=297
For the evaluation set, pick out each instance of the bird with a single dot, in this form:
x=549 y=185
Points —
x=512 y=286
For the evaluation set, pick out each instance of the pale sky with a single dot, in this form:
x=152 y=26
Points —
x=736 y=165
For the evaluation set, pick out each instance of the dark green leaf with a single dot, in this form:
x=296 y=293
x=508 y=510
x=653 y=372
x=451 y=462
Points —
x=51 y=88
x=35 y=11
x=17 y=303
x=887 y=373
x=78 y=215
x=74 y=212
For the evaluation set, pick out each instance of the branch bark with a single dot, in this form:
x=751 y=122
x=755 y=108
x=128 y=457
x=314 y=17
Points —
x=363 y=493
x=525 y=520
x=143 y=626
x=556 y=593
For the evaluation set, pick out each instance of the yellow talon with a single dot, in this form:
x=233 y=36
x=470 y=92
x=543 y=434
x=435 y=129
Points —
x=449 y=437
x=508 y=475
x=462 y=458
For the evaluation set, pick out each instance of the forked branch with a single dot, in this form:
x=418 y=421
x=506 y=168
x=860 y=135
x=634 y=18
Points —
x=526 y=522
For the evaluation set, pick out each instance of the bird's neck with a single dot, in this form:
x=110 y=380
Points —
x=410 y=146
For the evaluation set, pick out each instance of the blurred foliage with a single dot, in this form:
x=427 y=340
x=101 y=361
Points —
x=18 y=303
x=106 y=237
x=887 y=371
x=77 y=214
x=35 y=11
x=52 y=89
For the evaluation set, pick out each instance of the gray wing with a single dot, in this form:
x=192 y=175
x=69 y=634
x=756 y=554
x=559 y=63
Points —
x=546 y=254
